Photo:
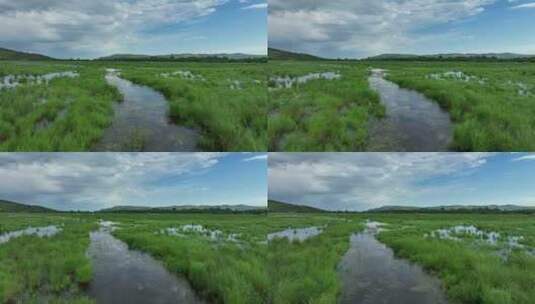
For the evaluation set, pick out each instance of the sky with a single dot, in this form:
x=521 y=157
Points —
x=361 y=181
x=363 y=28
x=92 y=181
x=96 y=28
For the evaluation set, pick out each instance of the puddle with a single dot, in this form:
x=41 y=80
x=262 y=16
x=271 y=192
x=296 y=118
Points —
x=522 y=88
x=12 y=81
x=236 y=85
x=46 y=231
x=505 y=244
x=370 y=273
x=184 y=75
x=299 y=234
x=141 y=122
x=412 y=123
x=288 y=82
x=121 y=275
x=215 y=235
x=456 y=75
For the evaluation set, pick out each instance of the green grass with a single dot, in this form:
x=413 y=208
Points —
x=228 y=119
x=71 y=114
x=256 y=271
x=305 y=272
x=489 y=116
x=55 y=268
x=321 y=115
x=220 y=271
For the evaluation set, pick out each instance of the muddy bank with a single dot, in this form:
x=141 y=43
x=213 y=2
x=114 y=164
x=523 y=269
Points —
x=141 y=122
x=413 y=122
x=370 y=273
x=121 y=275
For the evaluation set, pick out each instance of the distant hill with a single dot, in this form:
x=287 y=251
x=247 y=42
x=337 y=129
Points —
x=457 y=209
x=453 y=56
x=183 y=57
x=6 y=54
x=276 y=54
x=277 y=206
x=187 y=209
x=7 y=206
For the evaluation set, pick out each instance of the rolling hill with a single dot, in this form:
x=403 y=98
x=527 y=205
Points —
x=452 y=56
x=7 y=206
x=178 y=57
x=277 y=206
x=456 y=209
x=186 y=208
x=276 y=54
x=7 y=54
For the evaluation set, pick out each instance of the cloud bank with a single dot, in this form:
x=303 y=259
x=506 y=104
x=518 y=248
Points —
x=359 y=181
x=89 y=181
x=92 y=28
x=356 y=28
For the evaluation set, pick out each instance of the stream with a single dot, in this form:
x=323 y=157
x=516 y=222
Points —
x=121 y=275
x=413 y=123
x=370 y=273
x=141 y=122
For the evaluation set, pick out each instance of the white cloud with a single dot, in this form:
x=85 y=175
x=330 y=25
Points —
x=357 y=181
x=525 y=157
x=94 y=180
x=256 y=157
x=525 y=5
x=82 y=26
x=256 y=6
x=360 y=26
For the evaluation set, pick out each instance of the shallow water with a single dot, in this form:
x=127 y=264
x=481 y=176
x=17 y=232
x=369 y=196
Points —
x=288 y=82
x=46 y=231
x=121 y=275
x=214 y=235
x=456 y=75
x=504 y=244
x=184 y=75
x=12 y=81
x=299 y=234
x=371 y=274
x=412 y=123
x=141 y=122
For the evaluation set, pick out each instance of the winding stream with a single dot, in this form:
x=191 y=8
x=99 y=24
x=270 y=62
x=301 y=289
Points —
x=121 y=275
x=371 y=274
x=141 y=122
x=413 y=123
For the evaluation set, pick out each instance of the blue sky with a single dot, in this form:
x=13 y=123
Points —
x=361 y=28
x=89 y=29
x=360 y=181
x=92 y=181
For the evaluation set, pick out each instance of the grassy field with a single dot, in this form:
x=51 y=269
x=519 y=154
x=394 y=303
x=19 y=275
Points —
x=238 y=264
x=67 y=114
x=320 y=115
x=226 y=103
x=491 y=104
x=471 y=270
x=220 y=269
x=54 y=269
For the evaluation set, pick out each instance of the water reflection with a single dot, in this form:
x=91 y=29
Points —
x=299 y=234
x=371 y=274
x=47 y=231
x=121 y=275
x=12 y=81
x=287 y=82
x=141 y=122
x=412 y=123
